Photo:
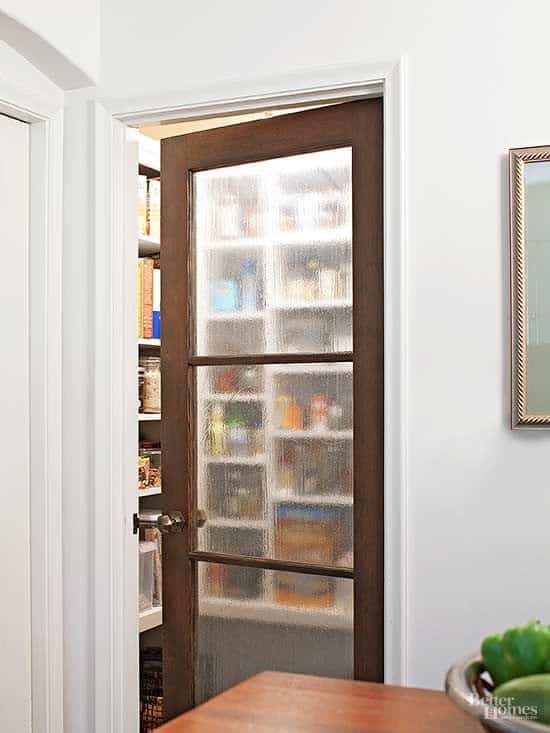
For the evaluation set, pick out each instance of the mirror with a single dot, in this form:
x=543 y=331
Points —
x=530 y=257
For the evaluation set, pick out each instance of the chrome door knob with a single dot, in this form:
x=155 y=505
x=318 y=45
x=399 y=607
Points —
x=169 y=523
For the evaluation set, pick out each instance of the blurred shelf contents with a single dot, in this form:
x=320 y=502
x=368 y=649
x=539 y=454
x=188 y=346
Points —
x=233 y=582
x=149 y=384
x=237 y=492
x=150 y=544
x=314 y=468
x=236 y=380
x=293 y=442
x=274 y=248
x=235 y=429
x=151 y=686
x=149 y=323
x=149 y=466
x=146 y=575
x=148 y=207
x=274 y=469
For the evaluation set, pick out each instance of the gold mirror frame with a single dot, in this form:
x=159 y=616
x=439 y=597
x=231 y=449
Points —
x=519 y=158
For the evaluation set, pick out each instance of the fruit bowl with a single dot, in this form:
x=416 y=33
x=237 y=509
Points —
x=468 y=687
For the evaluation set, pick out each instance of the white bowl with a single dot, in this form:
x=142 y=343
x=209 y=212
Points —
x=461 y=688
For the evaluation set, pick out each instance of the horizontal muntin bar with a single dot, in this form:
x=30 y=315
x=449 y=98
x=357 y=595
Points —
x=265 y=563
x=316 y=358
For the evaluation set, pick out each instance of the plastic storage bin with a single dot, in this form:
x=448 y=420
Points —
x=146 y=574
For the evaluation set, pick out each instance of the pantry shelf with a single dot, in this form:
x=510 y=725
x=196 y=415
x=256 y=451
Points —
x=300 y=305
x=237 y=316
x=240 y=243
x=148 y=246
x=327 y=237
x=235 y=397
x=244 y=460
x=313 y=499
x=152 y=491
x=149 y=342
x=150 y=619
x=276 y=613
x=314 y=434
x=313 y=368
x=237 y=523
x=149 y=416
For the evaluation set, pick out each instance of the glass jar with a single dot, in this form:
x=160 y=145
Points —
x=151 y=383
x=140 y=388
x=143 y=472
x=151 y=454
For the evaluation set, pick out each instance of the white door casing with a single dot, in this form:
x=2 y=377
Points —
x=15 y=570
x=115 y=247
x=42 y=288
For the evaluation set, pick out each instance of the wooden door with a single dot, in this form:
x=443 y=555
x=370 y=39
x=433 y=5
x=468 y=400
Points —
x=272 y=431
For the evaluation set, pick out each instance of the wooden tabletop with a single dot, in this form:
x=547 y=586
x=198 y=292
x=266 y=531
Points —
x=288 y=703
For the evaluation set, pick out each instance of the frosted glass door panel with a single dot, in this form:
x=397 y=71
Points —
x=272 y=246
x=251 y=620
x=275 y=461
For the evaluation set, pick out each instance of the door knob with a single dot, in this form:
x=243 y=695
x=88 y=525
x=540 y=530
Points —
x=169 y=523
x=200 y=518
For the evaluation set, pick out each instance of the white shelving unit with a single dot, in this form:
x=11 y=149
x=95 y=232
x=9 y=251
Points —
x=148 y=246
x=237 y=460
x=281 y=497
x=314 y=434
x=150 y=619
x=151 y=343
x=153 y=491
x=237 y=523
x=237 y=397
x=275 y=254
x=149 y=160
x=149 y=416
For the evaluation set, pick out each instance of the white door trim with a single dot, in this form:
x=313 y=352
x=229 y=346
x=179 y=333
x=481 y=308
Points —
x=45 y=388
x=116 y=247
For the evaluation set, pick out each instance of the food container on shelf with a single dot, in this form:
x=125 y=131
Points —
x=141 y=372
x=143 y=472
x=238 y=436
x=146 y=574
x=150 y=456
x=151 y=396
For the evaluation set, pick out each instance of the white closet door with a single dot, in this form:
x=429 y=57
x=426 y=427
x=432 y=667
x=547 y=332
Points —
x=15 y=607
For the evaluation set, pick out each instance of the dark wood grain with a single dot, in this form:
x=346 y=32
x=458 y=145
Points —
x=356 y=124
x=266 y=563
x=179 y=572
x=284 y=703
x=145 y=170
x=317 y=358
x=368 y=380
x=302 y=132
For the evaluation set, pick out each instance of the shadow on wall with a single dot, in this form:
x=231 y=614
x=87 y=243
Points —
x=41 y=54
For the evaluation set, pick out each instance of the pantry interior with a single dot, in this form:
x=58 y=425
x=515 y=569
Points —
x=274 y=442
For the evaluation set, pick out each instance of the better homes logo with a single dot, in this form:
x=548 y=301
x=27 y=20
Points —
x=498 y=707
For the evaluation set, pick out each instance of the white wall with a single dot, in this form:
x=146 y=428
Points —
x=16 y=71
x=59 y=37
x=478 y=494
